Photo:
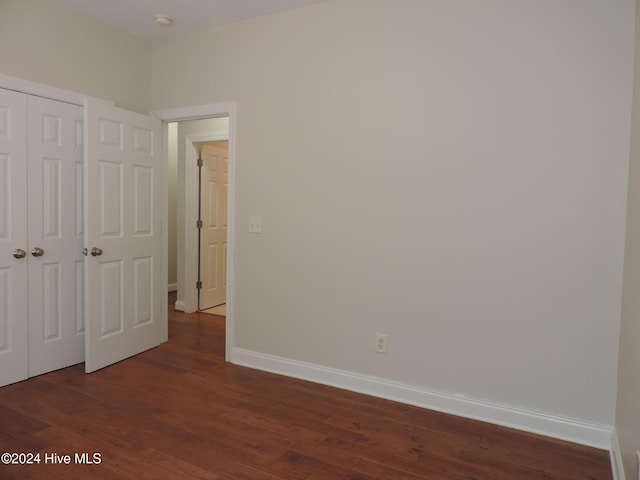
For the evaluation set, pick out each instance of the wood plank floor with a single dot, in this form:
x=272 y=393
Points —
x=180 y=412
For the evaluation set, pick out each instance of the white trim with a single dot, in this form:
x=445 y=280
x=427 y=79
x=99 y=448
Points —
x=573 y=430
x=196 y=112
x=164 y=231
x=172 y=287
x=617 y=465
x=226 y=109
x=179 y=306
x=190 y=265
x=40 y=90
x=190 y=261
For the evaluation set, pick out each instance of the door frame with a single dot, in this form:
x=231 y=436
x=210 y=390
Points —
x=198 y=112
x=190 y=267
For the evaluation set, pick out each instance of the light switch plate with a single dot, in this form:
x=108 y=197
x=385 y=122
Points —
x=255 y=224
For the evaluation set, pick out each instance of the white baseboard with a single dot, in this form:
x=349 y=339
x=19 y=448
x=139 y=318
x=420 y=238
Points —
x=570 y=429
x=179 y=306
x=172 y=287
x=617 y=467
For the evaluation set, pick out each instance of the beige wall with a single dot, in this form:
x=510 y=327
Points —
x=628 y=404
x=47 y=44
x=452 y=174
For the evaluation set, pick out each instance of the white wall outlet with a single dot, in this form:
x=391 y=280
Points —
x=255 y=224
x=381 y=343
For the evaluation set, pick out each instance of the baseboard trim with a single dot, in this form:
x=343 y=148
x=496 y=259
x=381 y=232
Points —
x=570 y=429
x=172 y=287
x=179 y=305
x=617 y=466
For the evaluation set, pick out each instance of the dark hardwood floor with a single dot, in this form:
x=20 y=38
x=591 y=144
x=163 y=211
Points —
x=180 y=412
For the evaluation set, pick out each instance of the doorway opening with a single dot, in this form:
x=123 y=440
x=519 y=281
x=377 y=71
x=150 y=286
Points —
x=184 y=199
x=198 y=257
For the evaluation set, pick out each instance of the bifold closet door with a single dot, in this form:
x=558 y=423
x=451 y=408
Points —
x=49 y=193
x=13 y=237
x=41 y=262
x=56 y=263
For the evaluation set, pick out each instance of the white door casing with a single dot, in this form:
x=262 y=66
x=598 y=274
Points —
x=213 y=235
x=13 y=236
x=124 y=170
x=56 y=277
x=226 y=109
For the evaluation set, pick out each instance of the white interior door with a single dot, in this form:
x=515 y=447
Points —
x=13 y=237
x=213 y=236
x=56 y=276
x=123 y=234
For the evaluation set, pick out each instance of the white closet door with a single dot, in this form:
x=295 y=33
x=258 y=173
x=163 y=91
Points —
x=13 y=237
x=123 y=234
x=56 y=276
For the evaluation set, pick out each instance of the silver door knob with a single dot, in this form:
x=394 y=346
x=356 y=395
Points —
x=96 y=252
x=19 y=253
x=37 y=252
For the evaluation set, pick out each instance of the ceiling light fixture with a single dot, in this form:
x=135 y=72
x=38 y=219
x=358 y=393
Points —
x=164 y=20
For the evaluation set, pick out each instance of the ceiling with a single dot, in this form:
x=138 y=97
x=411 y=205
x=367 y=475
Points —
x=137 y=17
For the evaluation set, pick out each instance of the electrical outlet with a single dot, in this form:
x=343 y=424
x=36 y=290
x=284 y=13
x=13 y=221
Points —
x=381 y=343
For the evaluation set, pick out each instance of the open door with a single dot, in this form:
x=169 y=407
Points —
x=213 y=233
x=124 y=171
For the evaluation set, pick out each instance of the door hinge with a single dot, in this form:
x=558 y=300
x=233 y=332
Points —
x=199 y=223
x=200 y=162
x=198 y=284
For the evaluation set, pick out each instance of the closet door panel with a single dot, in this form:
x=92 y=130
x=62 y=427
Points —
x=56 y=336
x=13 y=237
